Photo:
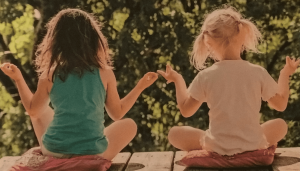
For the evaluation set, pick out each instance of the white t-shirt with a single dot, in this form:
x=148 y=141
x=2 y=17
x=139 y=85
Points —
x=233 y=90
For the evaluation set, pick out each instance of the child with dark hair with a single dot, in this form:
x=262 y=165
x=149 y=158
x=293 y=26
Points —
x=75 y=74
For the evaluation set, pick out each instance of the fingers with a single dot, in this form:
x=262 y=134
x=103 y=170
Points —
x=168 y=68
x=162 y=73
x=292 y=62
x=6 y=67
x=13 y=67
x=151 y=76
x=288 y=60
x=297 y=62
x=166 y=74
x=10 y=70
x=9 y=66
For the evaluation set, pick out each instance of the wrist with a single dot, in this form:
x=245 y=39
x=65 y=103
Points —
x=284 y=72
x=140 y=87
x=16 y=80
x=178 y=78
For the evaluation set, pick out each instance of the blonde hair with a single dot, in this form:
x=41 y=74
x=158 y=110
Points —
x=223 y=24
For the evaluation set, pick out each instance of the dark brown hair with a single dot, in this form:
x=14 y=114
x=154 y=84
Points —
x=73 y=42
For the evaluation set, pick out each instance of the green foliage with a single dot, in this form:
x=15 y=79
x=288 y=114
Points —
x=10 y=9
x=22 y=31
x=156 y=33
x=144 y=36
x=16 y=134
x=292 y=139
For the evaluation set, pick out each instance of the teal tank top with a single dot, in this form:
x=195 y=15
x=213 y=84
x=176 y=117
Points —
x=78 y=123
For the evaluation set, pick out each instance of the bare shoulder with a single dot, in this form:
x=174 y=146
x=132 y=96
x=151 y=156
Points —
x=45 y=79
x=107 y=76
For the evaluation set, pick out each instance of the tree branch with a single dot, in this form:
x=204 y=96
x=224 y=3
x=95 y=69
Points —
x=271 y=65
x=6 y=81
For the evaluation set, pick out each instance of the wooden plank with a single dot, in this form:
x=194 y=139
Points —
x=179 y=155
x=287 y=159
x=119 y=162
x=151 y=161
x=7 y=162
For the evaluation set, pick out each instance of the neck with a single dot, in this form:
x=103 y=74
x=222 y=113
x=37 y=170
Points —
x=231 y=53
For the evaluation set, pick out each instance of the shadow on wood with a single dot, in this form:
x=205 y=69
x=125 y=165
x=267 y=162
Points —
x=119 y=162
x=134 y=166
x=285 y=160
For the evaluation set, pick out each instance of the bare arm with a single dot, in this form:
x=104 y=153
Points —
x=280 y=100
x=33 y=103
x=186 y=104
x=117 y=108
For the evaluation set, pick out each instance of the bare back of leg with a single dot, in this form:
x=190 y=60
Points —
x=119 y=134
x=274 y=130
x=185 y=137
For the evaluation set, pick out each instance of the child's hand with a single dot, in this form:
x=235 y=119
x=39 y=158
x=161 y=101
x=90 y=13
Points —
x=147 y=79
x=290 y=66
x=11 y=70
x=170 y=75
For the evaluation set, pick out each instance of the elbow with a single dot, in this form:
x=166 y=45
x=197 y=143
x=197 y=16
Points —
x=115 y=113
x=116 y=117
x=185 y=113
x=35 y=112
x=32 y=113
x=281 y=108
x=279 y=103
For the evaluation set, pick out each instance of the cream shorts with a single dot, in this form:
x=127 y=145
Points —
x=59 y=155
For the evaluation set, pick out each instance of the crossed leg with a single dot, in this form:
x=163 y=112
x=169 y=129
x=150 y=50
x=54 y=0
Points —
x=274 y=130
x=185 y=137
x=119 y=133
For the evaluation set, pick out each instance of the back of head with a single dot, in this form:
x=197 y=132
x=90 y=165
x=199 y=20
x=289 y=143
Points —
x=222 y=26
x=73 y=40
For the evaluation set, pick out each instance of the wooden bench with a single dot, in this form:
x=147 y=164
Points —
x=286 y=159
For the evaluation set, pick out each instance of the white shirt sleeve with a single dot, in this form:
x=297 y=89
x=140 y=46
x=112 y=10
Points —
x=196 y=88
x=269 y=86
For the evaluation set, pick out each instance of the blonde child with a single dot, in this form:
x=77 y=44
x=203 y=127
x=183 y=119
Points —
x=232 y=88
x=77 y=77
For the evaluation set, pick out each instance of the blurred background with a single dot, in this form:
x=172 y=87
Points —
x=143 y=36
